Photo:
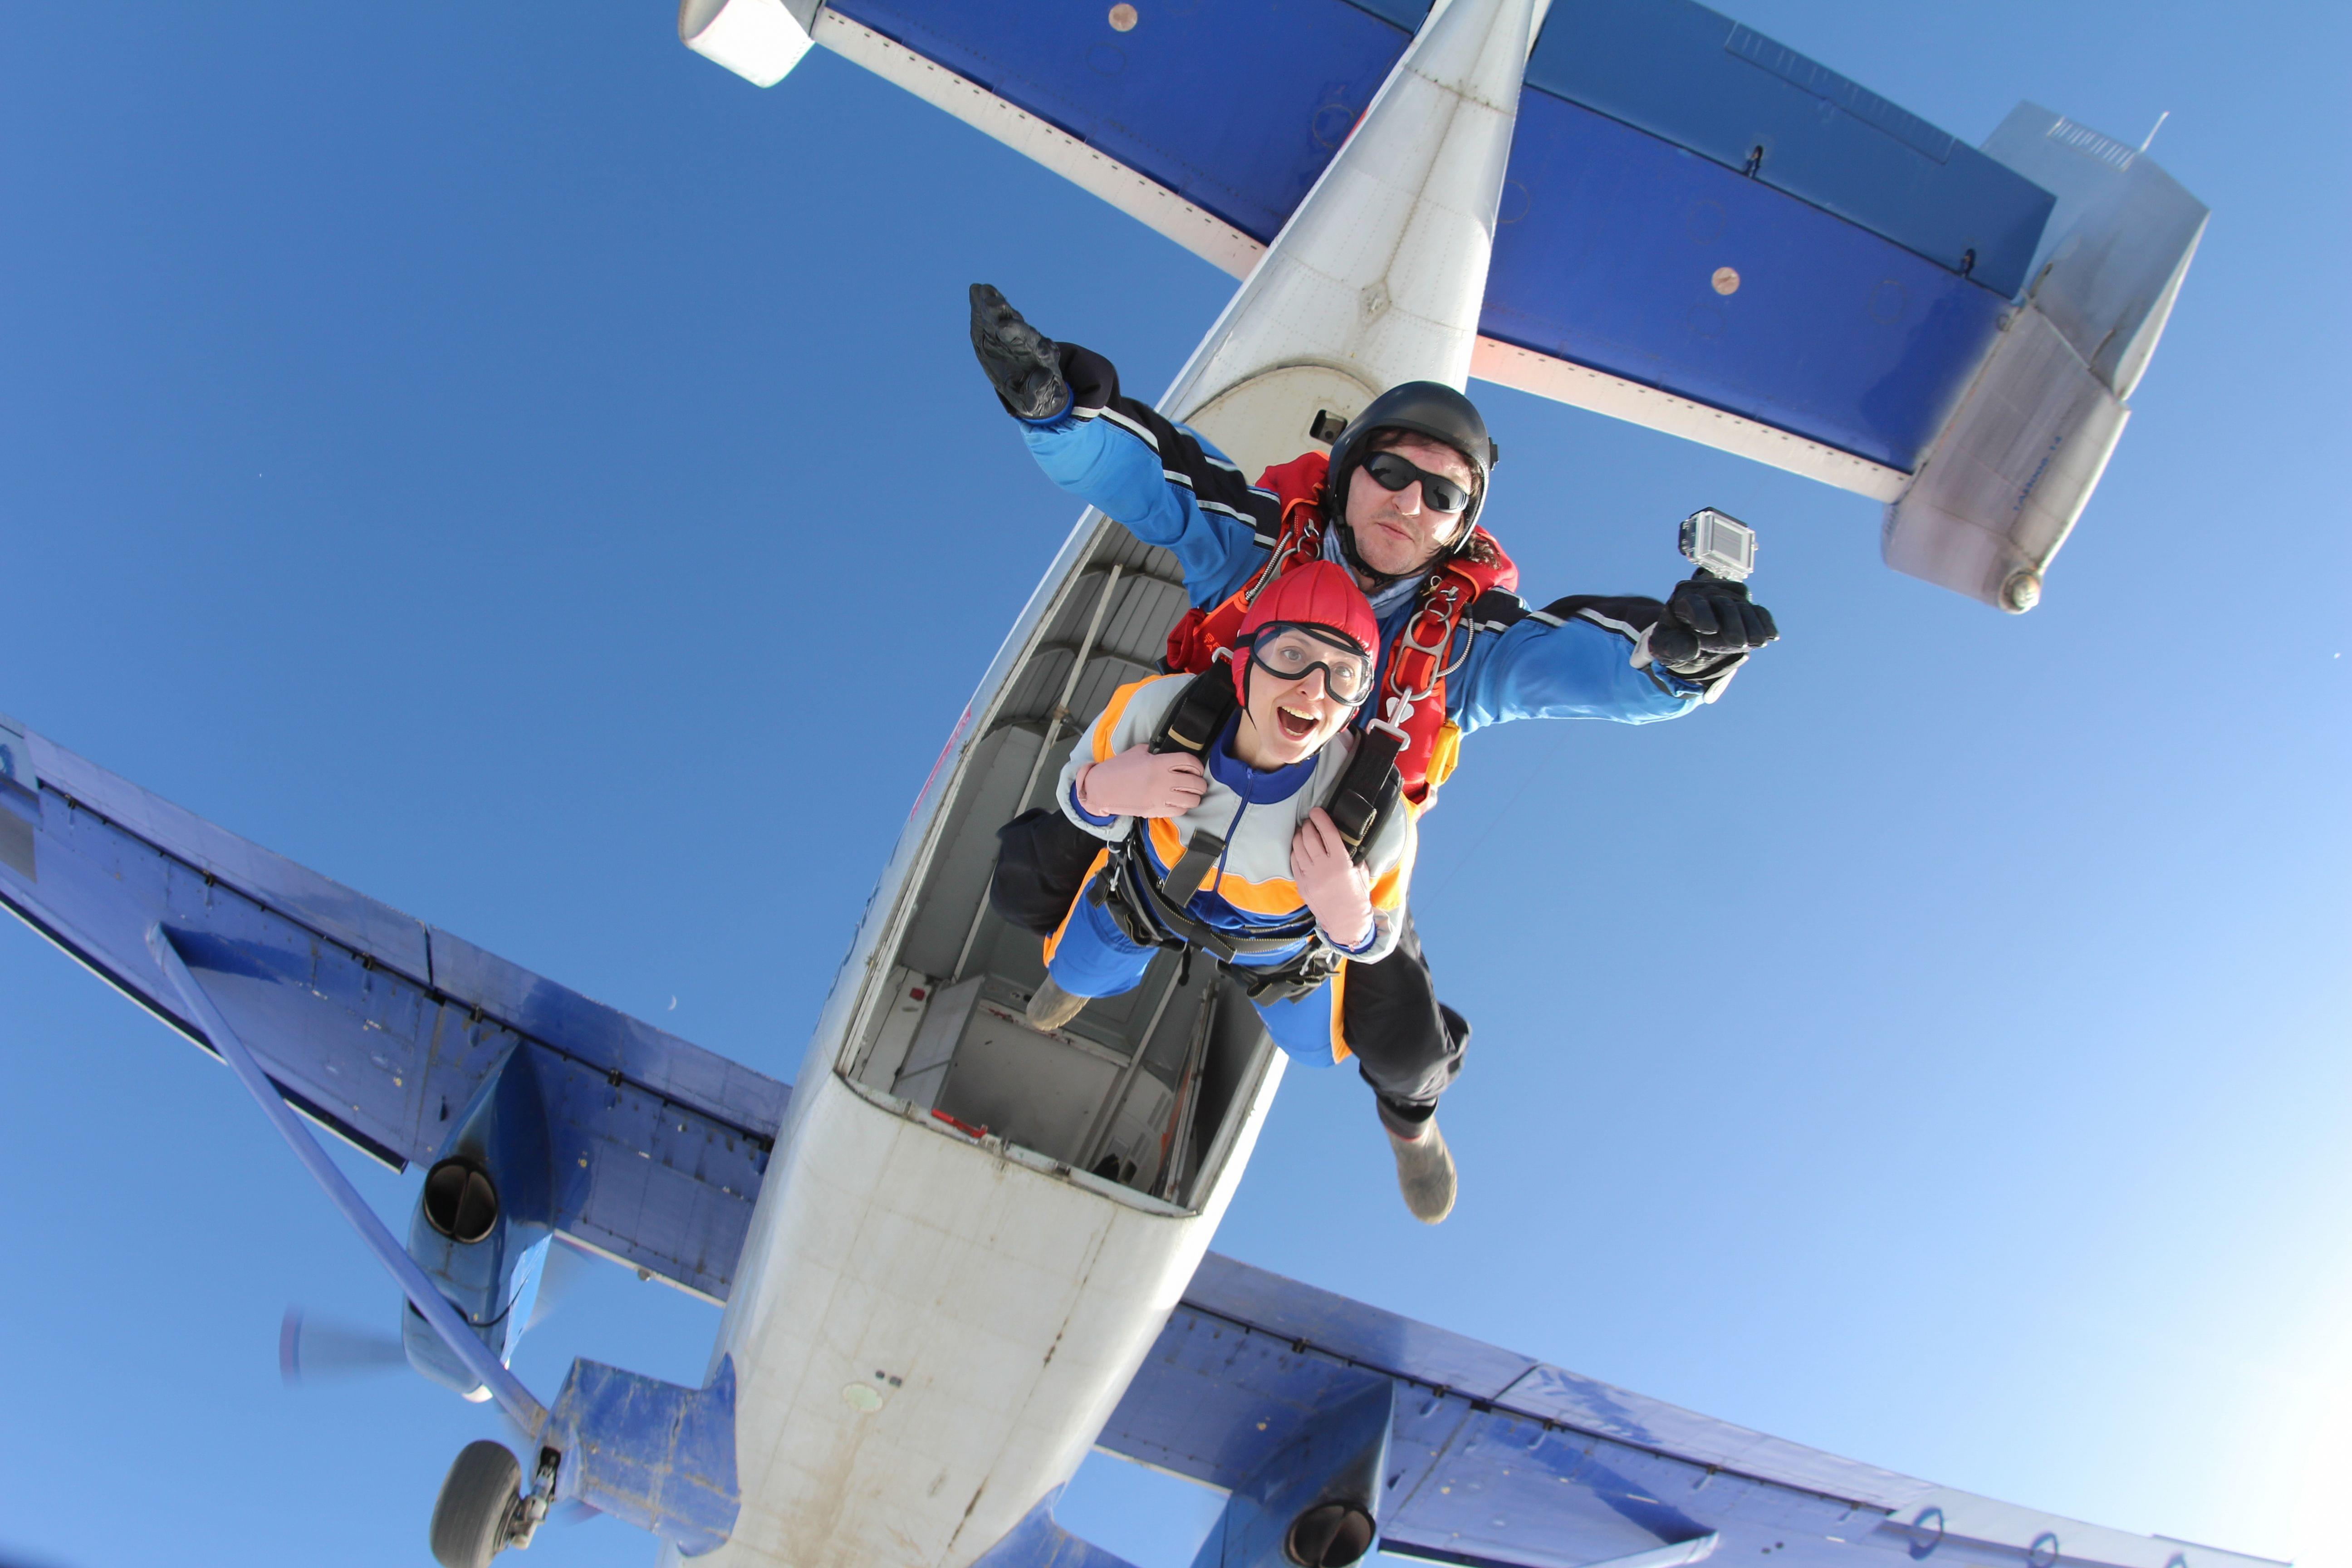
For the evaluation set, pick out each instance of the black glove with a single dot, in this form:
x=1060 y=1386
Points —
x=1709 y=621
x=1023 y=363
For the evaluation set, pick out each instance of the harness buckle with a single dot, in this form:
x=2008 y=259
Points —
x=1446 y=629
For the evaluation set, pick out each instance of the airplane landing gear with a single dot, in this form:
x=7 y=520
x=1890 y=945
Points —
x=482 y=1510
x=477 y=1504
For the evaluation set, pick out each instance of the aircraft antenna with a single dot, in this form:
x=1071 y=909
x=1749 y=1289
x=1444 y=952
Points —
x=2155 y=128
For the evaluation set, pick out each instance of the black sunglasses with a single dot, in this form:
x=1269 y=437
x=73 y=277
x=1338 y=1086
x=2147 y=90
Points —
x=1438 y=493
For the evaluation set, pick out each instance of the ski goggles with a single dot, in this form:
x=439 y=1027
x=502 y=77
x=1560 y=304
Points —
x=1291 y=651
x=1438 y=493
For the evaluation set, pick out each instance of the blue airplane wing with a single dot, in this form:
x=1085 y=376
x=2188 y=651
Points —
x=1702 y=230
x=1496 y=1461
x=1876 y=253
x=388 y=1031
x=384 y=1029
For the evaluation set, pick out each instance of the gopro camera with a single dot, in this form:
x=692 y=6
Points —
x=1719 y=544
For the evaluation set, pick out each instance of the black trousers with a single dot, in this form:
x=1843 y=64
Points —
x=1407 y=1045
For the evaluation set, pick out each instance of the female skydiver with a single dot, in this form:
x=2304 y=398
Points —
x=1240 y=836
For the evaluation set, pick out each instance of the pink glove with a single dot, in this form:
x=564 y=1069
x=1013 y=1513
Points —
x=1140 y=782
x=1338 y=890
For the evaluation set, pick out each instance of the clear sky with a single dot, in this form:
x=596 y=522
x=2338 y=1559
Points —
x=509 y=465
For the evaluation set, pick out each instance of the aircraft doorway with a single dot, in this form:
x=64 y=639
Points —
x=1146 y=1090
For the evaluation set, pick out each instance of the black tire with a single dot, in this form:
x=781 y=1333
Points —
x=478 y=1500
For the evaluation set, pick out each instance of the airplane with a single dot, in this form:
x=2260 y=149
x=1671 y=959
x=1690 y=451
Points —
x=958 y=1253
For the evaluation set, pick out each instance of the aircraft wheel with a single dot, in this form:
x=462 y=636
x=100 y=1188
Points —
x=477 y=1506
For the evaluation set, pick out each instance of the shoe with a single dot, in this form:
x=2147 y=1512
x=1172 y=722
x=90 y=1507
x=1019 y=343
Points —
x=1424 y=1172
x=1051 y=1006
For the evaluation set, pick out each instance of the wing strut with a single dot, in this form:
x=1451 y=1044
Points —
x=652 y=1453
x=431 y=1305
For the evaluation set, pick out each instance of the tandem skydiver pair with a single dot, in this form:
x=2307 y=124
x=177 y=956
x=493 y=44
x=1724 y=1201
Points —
x=1390 y=513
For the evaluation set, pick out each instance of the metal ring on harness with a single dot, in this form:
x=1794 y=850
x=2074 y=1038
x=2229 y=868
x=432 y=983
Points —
x=1432 y=611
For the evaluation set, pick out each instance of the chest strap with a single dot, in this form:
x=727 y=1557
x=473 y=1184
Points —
x=1185 y=878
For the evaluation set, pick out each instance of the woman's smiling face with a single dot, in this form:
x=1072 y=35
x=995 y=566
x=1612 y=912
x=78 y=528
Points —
x=1287 y=721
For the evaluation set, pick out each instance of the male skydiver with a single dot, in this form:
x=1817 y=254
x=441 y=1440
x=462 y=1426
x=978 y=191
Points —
x=1395 y=502
x=1209 y=800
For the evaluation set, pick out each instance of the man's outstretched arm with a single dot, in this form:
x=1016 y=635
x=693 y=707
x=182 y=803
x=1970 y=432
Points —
x=1628 y=658
x=1168 y=487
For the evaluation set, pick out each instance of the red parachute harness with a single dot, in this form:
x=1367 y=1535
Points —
x=1411 y=712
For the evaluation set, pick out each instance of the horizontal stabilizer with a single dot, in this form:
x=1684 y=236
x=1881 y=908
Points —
x=1701 y=230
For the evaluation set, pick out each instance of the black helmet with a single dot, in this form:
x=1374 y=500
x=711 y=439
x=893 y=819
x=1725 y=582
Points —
x=1428 y=408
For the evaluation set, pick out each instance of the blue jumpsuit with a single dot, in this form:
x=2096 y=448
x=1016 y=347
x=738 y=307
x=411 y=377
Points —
x=1571 y=660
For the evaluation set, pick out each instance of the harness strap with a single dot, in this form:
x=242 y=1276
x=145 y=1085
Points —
x=1198 y=716
x=1136 y=905
x=1149 y=920
x=1185 y=878
x=1367 y=789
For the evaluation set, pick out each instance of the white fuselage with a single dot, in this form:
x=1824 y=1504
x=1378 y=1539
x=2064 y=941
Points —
x=934 y=1330
x=930 y=1329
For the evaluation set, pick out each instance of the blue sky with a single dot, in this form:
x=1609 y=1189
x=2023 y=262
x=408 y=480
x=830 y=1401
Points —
x=449 y=445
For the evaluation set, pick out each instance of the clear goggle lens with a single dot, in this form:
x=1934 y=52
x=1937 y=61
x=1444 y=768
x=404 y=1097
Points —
x=1290 y=652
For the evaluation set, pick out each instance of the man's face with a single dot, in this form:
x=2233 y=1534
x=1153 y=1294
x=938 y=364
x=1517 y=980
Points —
x=1287 y=721
x=1397 y=533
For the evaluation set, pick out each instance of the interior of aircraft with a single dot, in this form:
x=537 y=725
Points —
x=1146 y=1090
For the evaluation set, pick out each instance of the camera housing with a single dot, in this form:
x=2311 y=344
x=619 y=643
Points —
x=1719 y=543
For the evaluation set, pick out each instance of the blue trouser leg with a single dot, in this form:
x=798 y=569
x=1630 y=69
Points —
x=1092 y=957
x=1302 y=1026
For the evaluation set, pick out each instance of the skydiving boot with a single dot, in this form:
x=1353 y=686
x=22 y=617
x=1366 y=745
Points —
x=1050 y=1006
x=1425 y=1168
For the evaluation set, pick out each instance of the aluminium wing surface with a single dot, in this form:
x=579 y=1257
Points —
x=1701 y=230
x=381 y=1028
x=1496 y=1460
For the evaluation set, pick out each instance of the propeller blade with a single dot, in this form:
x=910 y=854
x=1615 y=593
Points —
x=309 y=1353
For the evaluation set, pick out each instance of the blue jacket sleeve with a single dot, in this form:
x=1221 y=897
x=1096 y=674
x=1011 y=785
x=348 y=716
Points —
x=1168 y=487
x=1580 y=665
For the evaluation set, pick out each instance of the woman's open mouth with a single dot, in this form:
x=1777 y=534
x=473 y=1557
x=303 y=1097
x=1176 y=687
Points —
x=1296 y=726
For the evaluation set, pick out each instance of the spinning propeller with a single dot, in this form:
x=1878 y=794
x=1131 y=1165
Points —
x=312 y=1352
